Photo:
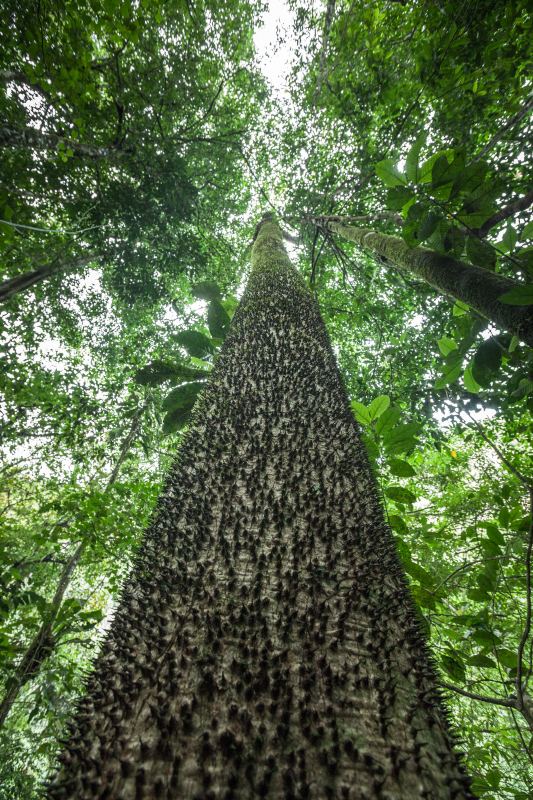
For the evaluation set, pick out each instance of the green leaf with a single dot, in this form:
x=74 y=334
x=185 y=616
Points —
x=412 y=169
x=450 y=377
x=446 y=345
x=400 y=468
x=401 y=439
x=503 y=517
x=515 y=341
x=389 y=174
x=446 y=169
x=420 y=595
x=206 y=290
x=454 y=666
x=478 y=595
x=487 y=361
x=480 y=786
x=230 y=304
x=459 y=309
x=378 y=406
x=400 y=494
x=427 y=167
x=527 y=232
x=454 y=241
x=371 y=447
x=438 y=237
x=182 y=395
x=398 y=524
x=361 y=413
x=398 y=196
x=387 y=420
x=507 y=657
x=176 y=419
x=157 y=372
x=480 y=253
x=218 y=319
x=205 y=365
x=195 y=343
x=419 y=574
x=524 y=387
x=518 y=296
x=509 y=240
x=469 y=381
x=416 y=213
x=428 y=226
x=470 y=177
x=481 y=661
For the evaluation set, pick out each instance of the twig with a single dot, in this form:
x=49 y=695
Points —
x=496 y=701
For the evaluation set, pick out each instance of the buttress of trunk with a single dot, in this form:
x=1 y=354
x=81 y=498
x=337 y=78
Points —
x=477 y=287
x=12 y=286
x=266 y=644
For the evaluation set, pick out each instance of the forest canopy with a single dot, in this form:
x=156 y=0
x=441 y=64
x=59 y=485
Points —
x=139 y=145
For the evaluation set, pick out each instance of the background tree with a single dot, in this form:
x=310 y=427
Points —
x=73 y=345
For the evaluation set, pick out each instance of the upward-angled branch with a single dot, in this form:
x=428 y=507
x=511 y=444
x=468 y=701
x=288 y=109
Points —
x=478 y=288
x=527 y=109
x=330 y=10
x=504 y=213
x=12 y=286
x=31 y=139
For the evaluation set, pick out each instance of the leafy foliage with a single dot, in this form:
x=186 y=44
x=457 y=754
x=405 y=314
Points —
x=420 y=126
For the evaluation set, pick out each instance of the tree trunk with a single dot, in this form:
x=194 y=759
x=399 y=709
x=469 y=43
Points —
x=43 y=643
x=477 y=287
x=266 y=645
x=22 y=138
x=26 y=280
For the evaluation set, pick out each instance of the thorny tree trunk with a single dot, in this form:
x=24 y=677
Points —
x=266 y=644
x=29 y=138
x=26 y=280
x=477 y=287
x=43 y=643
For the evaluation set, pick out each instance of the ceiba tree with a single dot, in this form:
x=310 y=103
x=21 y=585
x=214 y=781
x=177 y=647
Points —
x=266 y=644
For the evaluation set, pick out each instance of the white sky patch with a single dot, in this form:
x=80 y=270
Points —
x=274 y=52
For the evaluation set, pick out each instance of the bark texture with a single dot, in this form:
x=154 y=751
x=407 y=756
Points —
x=477 y=287
x=266 y=644
x=12 y=286
x=29 y=138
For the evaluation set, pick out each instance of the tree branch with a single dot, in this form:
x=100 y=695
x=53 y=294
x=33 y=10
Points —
x=495 y=701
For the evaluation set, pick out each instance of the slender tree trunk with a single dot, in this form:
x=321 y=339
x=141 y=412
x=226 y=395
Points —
x=330 y=11
x=26 y=280
x=29 y=138
x=266 y=645
x=477 y=287
x=43 y=643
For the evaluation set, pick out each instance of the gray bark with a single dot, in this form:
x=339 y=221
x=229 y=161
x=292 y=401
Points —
x=266 y=644
x=26 y=280
x=29 y=138
x=477 y=287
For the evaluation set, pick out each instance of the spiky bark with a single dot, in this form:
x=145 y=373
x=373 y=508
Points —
x=477 y=287
x=266 y=644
